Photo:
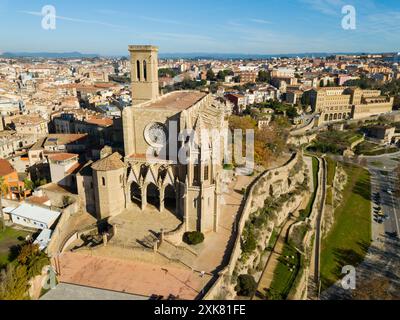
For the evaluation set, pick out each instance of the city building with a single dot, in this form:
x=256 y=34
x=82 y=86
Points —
x=339 y=103
x=31 y=125
x=32 y=216
x=11 y=181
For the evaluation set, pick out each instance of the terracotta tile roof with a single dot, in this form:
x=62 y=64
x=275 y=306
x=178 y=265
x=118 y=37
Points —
x=138 y=156
x=28 y=120
x=75 y=168
x=112 y=162
x=179 y=100
x=62 y=156
x=104 y=122
x=62 y=139
x=5 y=168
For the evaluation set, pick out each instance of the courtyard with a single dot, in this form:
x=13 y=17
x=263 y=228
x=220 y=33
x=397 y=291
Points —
x=133 y=277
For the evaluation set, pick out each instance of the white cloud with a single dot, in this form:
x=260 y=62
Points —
x=261 y=21
x=105 y=24
x=327 y=7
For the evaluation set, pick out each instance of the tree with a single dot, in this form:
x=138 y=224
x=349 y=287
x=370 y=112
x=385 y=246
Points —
x=263 y=76
x=243 y=123
x=14 y=280
x=14 y=283
x=33 y=259
x=210 y=75
x=167 y=72
x=29 y=185
x=249 y=242
x=246 y=285
x=291 y=112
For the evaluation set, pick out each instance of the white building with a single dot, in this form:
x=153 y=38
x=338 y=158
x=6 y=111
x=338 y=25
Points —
x=31 y=216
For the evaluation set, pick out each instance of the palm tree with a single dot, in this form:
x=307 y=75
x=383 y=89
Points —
x=3 y=188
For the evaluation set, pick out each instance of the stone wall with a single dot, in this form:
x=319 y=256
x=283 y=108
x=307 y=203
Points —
x=275 y=182
x=59 y=236
x=302 y=130
x=176 y=236
x=301 y=140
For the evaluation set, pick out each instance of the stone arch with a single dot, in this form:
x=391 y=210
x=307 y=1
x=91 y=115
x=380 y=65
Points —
x=330 y=117
x=170 y=198
x=145 y=70
x=136 y=194
x=153 y=195
x=138 y=70
x=335 y=116
x=326 y=117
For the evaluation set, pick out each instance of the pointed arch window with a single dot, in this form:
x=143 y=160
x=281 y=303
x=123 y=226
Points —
x=138 y=70
x=206 y=172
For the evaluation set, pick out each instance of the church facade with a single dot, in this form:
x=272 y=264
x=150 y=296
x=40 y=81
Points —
x=160 y=131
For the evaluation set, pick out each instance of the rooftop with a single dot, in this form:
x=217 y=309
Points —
x=62 y=139
x=62 y=156
x=103 y=122
x=5 y=168
x=29 y=120
x=35 y=213
x=179 y=100
x=112 y=162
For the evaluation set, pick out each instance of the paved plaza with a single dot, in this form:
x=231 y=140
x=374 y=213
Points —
x=133 y=277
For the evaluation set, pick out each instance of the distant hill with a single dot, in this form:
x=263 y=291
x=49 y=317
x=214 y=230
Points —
x=235 y=56
x=49 y=55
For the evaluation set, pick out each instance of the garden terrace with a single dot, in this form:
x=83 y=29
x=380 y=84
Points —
x=335 y=142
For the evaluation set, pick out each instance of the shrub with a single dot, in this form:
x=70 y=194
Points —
x=193 y=238
x=249 y=243
x=246 y=285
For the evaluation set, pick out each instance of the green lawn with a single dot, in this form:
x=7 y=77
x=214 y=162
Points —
x=350 y=237
x=285 y=274
x=8 y=240
x=372 y=149
x=307 y=211
x=330 y=178
x=331 y=170
x=334 y=142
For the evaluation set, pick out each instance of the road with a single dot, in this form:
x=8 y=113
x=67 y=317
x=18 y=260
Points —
x=382 y=182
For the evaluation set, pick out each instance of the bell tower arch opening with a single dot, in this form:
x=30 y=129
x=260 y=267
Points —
x=144 y=73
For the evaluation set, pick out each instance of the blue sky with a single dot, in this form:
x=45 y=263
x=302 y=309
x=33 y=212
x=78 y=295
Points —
x=218 y=26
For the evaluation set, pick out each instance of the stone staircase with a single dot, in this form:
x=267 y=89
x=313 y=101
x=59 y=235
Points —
x=177 y=254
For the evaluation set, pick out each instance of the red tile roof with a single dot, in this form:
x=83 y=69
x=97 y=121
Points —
x=62 y=156
x=5 y=168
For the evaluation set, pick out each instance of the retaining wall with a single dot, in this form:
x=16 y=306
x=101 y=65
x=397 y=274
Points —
x=265 y=181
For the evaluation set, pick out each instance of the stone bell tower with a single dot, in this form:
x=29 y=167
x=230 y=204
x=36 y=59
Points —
x=144 y=73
